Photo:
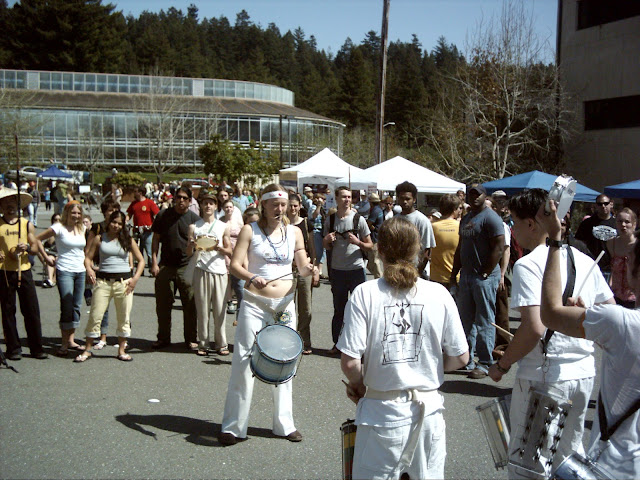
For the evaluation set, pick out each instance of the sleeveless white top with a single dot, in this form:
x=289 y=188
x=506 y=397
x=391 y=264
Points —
x=271 y=260
x=213 y=261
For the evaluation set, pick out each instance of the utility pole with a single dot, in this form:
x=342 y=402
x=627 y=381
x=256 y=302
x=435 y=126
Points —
x=382 y=83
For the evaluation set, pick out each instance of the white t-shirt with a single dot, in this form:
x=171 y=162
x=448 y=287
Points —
x=420 y=220
x=507 y=235
x=402 y=339
x=213 y=261
x=617 y=330
x=236 y=216
x=70 y=249
x=568 y=358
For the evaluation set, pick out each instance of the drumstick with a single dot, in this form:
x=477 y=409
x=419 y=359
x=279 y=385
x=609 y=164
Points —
x=509 y=334
x=278 y=278
x=588 y=273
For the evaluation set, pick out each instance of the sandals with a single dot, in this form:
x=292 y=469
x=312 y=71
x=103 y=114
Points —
x=125 y=358
x=202 y=352
x=83 y=357
x=307 y=351
x=100 y=345
x=223 y=351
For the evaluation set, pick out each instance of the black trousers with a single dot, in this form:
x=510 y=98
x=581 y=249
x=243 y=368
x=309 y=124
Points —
x=28 y=306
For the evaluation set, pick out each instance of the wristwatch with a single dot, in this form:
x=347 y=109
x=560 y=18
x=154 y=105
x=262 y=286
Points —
x=554 y=243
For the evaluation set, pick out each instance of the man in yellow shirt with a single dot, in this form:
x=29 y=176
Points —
x=446 y=231
x=17 y=239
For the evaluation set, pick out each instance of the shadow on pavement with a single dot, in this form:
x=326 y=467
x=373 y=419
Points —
x=473 y=388
x=198 y=432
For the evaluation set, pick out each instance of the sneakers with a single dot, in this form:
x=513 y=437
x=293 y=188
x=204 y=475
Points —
x=231 y=308
x=14 y=356
x=48 y=284
x=294 y=436
x=477 y=374
x=41 y=355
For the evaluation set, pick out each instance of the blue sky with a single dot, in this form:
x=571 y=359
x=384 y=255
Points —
x=332 y=21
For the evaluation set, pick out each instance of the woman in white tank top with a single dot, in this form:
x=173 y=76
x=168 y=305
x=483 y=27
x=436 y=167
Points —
x=270 y=246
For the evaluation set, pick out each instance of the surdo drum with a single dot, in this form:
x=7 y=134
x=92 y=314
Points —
x=276 y=354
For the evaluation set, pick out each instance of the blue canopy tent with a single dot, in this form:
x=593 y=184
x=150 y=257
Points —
x=54 y=173
x=536 y=179
x=624 y=190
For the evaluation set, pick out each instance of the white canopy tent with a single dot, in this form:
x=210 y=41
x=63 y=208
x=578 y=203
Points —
x=325 y=167
x=387 y=175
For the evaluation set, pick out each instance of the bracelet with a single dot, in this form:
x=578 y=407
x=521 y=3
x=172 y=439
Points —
x=253 y=278
x=502 y=370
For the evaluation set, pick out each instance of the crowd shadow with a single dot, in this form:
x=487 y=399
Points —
x=475 y=389
x=196 y=431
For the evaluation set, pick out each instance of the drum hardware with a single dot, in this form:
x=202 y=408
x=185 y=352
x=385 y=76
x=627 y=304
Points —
x=577 y=467
x=562 y=192
x=276 y=354
x=348 y=431
x=544 y=424
x=494 y=417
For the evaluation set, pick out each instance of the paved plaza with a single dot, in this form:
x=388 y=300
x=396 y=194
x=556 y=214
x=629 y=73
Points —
x=59 y=419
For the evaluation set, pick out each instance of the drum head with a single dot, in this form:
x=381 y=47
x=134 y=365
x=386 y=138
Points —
x=279 y=342
x=206 y=242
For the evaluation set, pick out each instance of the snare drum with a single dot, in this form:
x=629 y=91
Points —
x=348 y=431
x=576 y=467
x=275 y=354
x=494 y=417
x=207 y=243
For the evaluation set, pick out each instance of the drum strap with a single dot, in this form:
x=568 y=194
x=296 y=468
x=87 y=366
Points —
x=568 y=291
x=607 y=432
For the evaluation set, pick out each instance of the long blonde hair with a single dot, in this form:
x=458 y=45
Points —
x=66 y=211
x=272 y=187
x=399 y=244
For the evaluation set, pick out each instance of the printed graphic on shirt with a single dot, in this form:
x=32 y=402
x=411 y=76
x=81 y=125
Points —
x=402 y=339
x=604 y=232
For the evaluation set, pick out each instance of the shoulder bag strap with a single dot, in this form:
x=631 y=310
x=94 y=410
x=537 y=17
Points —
x=605 y=431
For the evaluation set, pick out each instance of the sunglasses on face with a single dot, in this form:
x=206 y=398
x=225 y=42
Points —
x=602 y=204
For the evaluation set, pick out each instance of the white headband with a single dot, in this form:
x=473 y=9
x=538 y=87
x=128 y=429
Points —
x=275 y=194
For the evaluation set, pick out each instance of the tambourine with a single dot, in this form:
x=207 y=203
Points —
x=207 y=243
x=562 y=192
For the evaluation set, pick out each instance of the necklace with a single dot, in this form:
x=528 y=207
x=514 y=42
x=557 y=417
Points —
x=275 y=246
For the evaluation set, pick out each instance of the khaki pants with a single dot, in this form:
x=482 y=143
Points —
x=103 y=291
x=209 y=293
x=374 y=265
x=303 y=302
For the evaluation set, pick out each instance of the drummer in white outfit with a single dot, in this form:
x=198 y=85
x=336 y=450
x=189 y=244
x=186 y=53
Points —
x=409 y=332
x=270 y=246
x=210 y=275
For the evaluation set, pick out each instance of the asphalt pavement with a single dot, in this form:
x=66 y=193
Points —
x=60 y=419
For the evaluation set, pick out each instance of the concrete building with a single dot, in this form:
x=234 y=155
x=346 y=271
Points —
x=137 y=121
x=598 y=51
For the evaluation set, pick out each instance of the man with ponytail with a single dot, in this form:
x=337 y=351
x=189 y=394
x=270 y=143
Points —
x=401 y=333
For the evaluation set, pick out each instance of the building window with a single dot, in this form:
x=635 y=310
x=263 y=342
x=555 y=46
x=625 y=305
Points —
x=619 y=112
x=596 y=12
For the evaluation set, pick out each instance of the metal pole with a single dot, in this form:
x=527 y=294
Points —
x=281 y=158
x=15 y=136
x=382 y=83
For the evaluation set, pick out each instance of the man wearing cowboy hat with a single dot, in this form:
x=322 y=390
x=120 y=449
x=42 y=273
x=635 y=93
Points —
x=17 y=239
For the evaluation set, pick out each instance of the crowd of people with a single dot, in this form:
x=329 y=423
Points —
x=438 y=301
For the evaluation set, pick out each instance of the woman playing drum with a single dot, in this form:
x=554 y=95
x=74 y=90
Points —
x=270 y=246
x=409 y=333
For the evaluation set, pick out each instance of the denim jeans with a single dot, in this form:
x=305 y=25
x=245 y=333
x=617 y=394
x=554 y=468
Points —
x=145 y=244
x=477 y=306
x=321 y=255
x=343 y=282
x=237 y=286
x=71 y=290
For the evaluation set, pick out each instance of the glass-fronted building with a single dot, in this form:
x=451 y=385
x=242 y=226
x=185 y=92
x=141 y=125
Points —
x=137 y=121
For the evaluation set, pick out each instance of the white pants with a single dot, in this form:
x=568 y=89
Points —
x=255 y=313
x=209 y=292
x=378 y=450
x=578 y=391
